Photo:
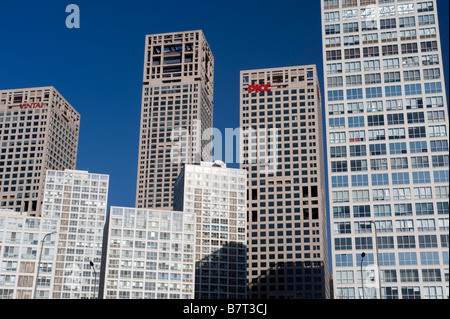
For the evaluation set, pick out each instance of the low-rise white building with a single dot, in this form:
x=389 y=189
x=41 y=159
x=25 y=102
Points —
x=148 y=254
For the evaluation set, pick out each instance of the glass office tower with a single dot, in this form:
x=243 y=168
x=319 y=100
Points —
x=388 y=163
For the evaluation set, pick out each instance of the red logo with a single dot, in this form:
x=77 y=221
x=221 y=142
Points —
x=32 y=105
x=259 y=88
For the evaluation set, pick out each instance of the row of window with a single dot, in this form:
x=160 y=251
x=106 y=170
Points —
x=404 y=258
x=389 y=91
x=408 y=225
x=376 y=78
x=384 y=210
x=402 y=178
x=394 y=148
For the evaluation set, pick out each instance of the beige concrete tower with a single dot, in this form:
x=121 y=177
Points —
x=177 y=106
x=39 y=130
x=282 y=145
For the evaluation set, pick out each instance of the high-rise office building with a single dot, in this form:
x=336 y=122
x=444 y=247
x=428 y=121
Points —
x=216 y=196
x=39 y=130
x=78 y=199
x=148 y=254
x=177 y=107
x=282 y=146
x=388 y=163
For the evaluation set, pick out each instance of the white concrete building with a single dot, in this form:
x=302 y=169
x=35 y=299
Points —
x=148 y=254
x=78 y=199
x=388 y=163
x=21 y=241
x=216 y=195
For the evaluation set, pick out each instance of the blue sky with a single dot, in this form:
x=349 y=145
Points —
x=98 y=68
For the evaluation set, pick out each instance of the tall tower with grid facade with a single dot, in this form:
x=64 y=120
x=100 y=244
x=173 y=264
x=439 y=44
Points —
x=39 y=130
x=177 y=107
x=282 y=152
x=387 y=128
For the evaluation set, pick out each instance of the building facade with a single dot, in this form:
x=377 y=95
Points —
x=148 y=254
x=388 y=163
x=24 y=240
x=281 y=145
x=39 y=130
x=78 y=199
x=177 y=107
x=216 y=196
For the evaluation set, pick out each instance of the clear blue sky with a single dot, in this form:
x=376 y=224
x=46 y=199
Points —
x=98 y=68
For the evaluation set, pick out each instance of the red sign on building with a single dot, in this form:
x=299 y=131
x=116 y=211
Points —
x=32 y=105
x=259 y=88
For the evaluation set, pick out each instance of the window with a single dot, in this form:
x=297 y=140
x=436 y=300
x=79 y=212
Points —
x=439 y=146
x=357 y=150
x=337 y=138
x=423 y=193
x=417 y=132
x=391 y=63
x=421 y=177
x=334 y=55
x=339 y=167
x=409 y=48
x=352 y=67
x=436 y=116
x=379 y=164
x=424 y=209
x=356 y=121
x=441 y=176
x=403 y=209
x=437 y=131
x=361 y=211
x=338 y=151
x=371 y=52
x=418 y=147
x=334 y=68
x=377 y=135
x=407 y=22
x=356 y=107
x=356 y=136
x=381 y=195
x=360 y=180
x=404 y=242
x=420 y=162
x=429 y=46
x=426 y=19
x=337 y=95
x=335 y=81
x=380 y=179
x=353 y=80
x=396 y=133
x=374 y=106
x=392 y=105
x=336 y=109
x=372 y=65
x=351 y=27
x=433 y=102
x=416 y=117
x=397 y=148
x=339 y=181
x=402 y=193
x=393 y=90
x=375 y=120
x=399 y=163
x=376 y=92
x=358 y=165
x=400 y=178
x=413 y=89
x=360 y=196
x=332 y=29
x=440 y=161
x=377 y=149
x=340 y=197
x=336 y=123
x=431 y=74
x=395 y=119
x=354 y=94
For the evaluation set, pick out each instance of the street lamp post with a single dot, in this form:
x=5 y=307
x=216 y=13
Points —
x=39 y=262
x=378 y=259
x=95 y=276
x=362 y=274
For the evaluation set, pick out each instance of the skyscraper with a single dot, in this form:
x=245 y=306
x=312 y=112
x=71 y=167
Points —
x=216 y=196
x=177 y=107
x=39 y=130
x=387 y=127
x=282 y=146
